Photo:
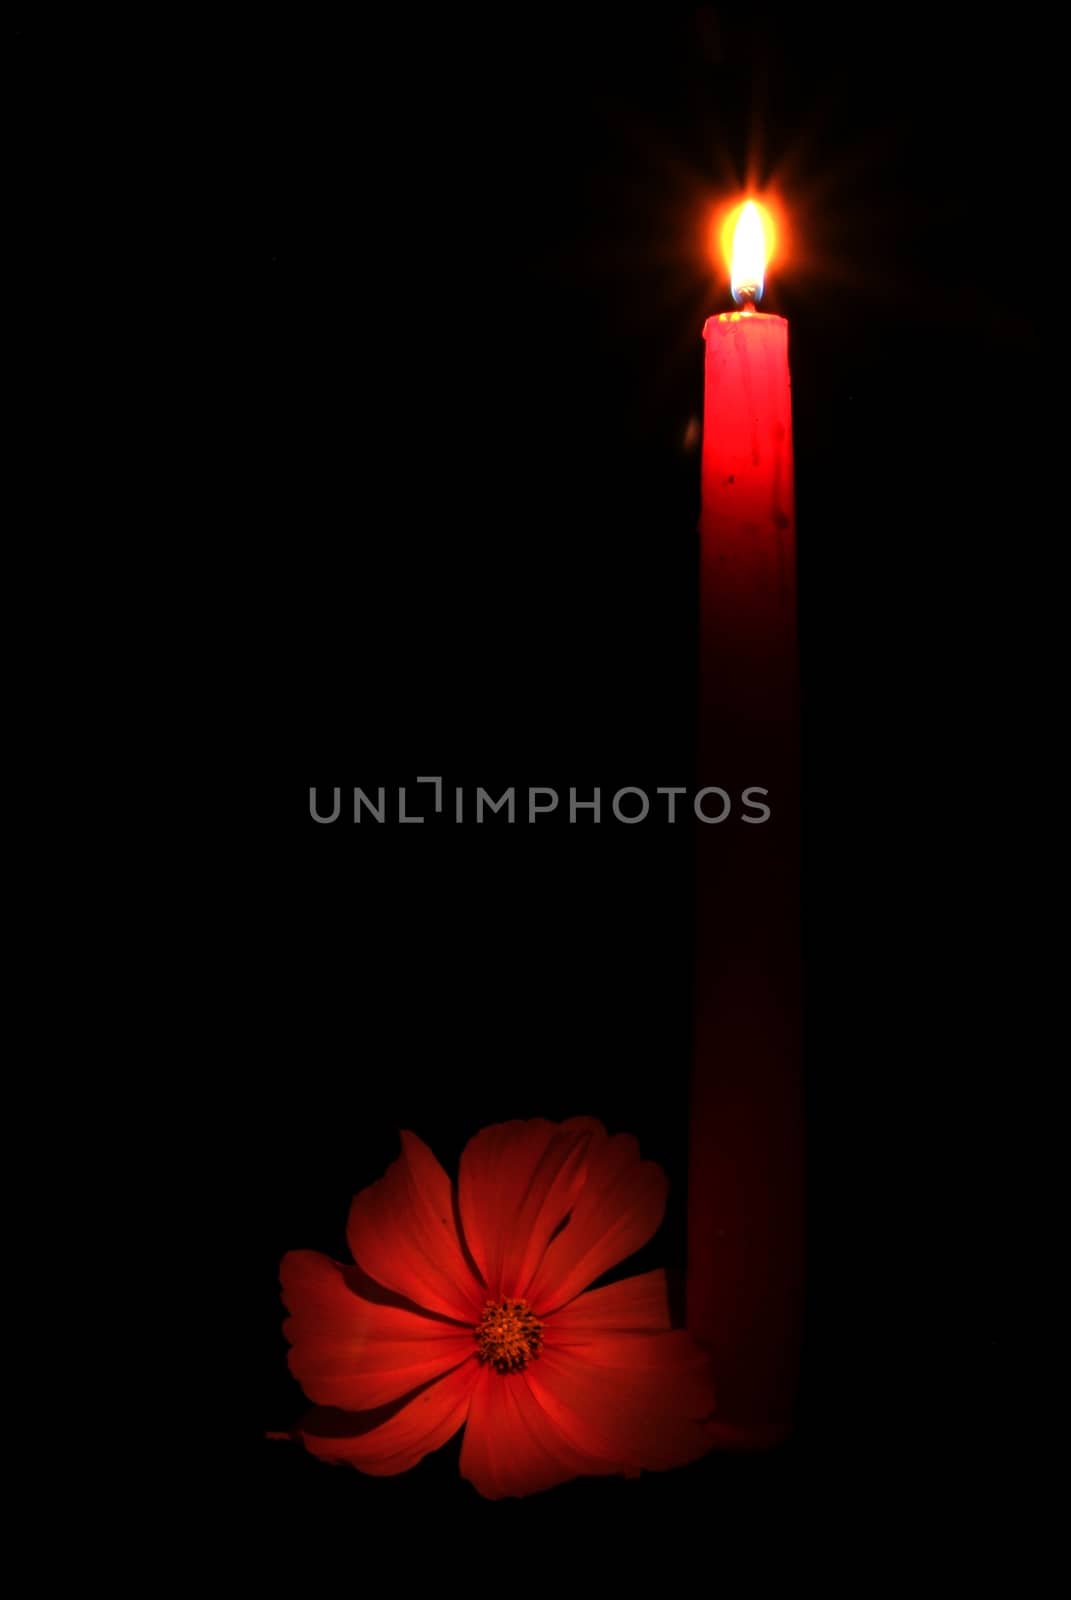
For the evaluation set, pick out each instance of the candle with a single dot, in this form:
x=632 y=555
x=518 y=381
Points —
x=745 y=1220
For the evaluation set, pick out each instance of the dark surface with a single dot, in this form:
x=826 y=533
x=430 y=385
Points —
x=436 y=350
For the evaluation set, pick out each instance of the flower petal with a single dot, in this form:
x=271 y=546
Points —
x=355 y=1352
x=635 y=1305
x=393 y=1439
x=617 y=1211
x=633 y=1400
x=511 y=1447
x=518 y=1181
x=403 y=1233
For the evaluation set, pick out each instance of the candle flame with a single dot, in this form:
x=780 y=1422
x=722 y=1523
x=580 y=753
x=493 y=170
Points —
x=752 y=246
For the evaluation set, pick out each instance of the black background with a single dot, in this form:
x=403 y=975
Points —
x=436 y=288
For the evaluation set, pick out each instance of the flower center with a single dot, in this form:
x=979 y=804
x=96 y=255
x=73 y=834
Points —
x=508 y=1335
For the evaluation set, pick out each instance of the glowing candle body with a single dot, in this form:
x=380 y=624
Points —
x=745 y=1215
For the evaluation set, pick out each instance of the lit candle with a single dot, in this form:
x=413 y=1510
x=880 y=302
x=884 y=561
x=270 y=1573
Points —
x=745 y=1218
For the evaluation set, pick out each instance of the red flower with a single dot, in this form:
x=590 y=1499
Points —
x=467 y=1309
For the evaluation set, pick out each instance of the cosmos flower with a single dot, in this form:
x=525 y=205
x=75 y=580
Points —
x=469 y=1309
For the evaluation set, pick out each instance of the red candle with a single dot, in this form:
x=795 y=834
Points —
x=745 y=1215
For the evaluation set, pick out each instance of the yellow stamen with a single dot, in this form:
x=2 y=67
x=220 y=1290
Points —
x=508 y=1335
